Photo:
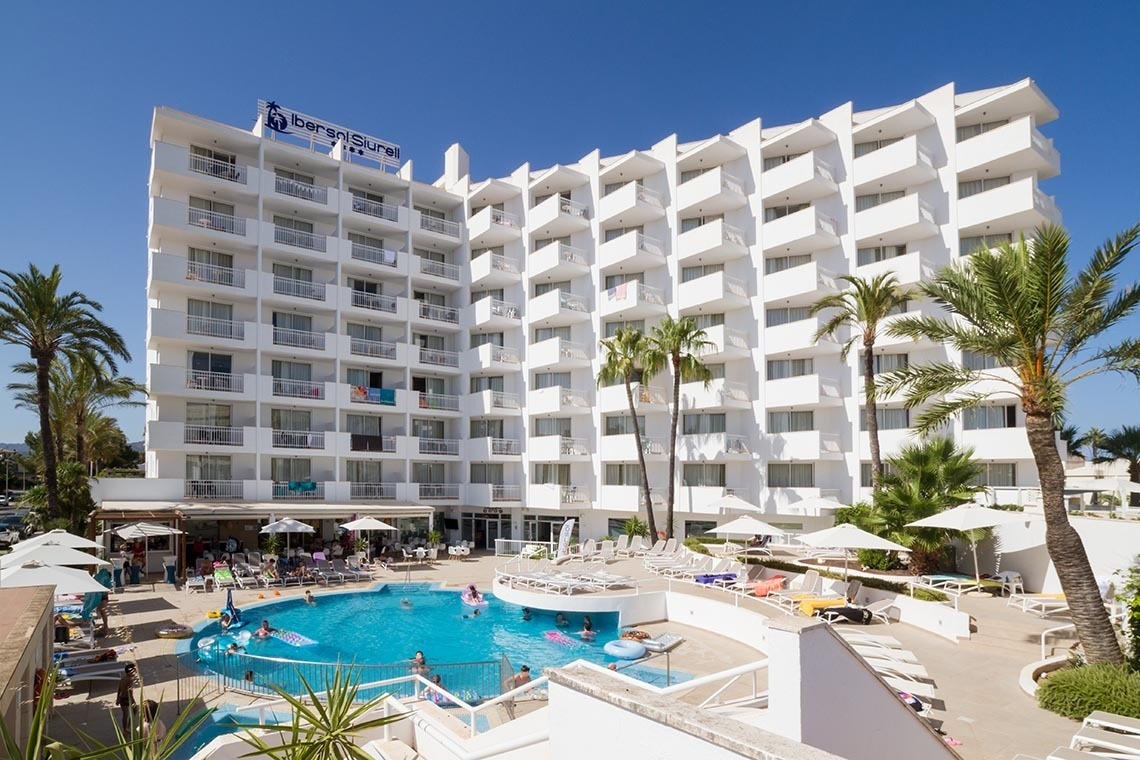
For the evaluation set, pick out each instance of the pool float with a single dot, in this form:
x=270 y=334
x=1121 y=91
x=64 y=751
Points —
x=293 y=639
x=468 y=696
x=467 y=598
x=213 y=614
x=207 y=642
x=635 y=635
x=558 y=637
x=174 y=632
x=625 y=649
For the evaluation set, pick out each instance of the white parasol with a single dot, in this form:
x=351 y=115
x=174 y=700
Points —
x=968 y=517
x=732 y=502
x=51 y=554
x=746 y=526
x=65 y=579
x=144 y=531
x=847 y=536
x=287 y=525
x=58 y=536
x=367 y=525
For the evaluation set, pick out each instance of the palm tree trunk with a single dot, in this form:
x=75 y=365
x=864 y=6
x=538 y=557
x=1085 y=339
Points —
x=1094 y=629
x=676 y=415
x=644 y=488
x=872 y=412
x=47 y=441
x=80 y=437
x=1134 y=477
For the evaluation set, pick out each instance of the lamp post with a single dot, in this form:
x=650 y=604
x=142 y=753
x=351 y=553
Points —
x=7 y=454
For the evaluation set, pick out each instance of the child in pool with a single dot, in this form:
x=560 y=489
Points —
x=587 y=633
x=561 y=621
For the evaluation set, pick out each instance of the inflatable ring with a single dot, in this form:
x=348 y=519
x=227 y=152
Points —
x=624 y=649
x=635 y=635
x=206 y=643
x=174 y=632
x=213 y=614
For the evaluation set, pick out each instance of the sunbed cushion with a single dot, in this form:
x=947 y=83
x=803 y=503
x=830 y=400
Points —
x=768 y=585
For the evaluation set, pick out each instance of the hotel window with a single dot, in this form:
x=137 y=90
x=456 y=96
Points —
x=698 y=475
x=614 y=280
x=716 y=371
x=357 y=377
x=540 y=199
x=865 y=472
x=791 y=475
x=496 y=251
x=208 y=415
x=542 y=288
x=629 y=324
x=211 y=266
x=863 y=148
x=357 y=285
x=783 y=316
x=362 y=424
x=702 y=424
x=791 y=422
x=699 y=221
x=431 y=213
x=559 y=426
x=998 y=475
x=694 y=273
x=551 y=379
x=773 y=161
x=622 y=424
x=208 y=467
x=428 y=472
x=864 y=202
x=479 y=295
x=887 y=362
x=307 y=179
x=705 y=321
x=290 y=272
x=557 y=474
x=422 y=428
x=210 y=318
x=283 y=470
x=205 y=361
x=291 y=419
x=211 y=161
x=487 y=472
x=968 y=245
x=989 y=417
x=902 y=308
x=482 y=339
x=540 y=243
x=975 y=186
x=546 y=333
x=973 y=130
x=363 y=332
x=976 y=361
x=362 y=472
x=692 y=174
x=623 y=475
x=292 y=223
x=423 y=253
x=888 y=419
x=211 y=207
x=617 y=232
x=364 y=240
x=611 y=187
x=780 y=263
x=780 y=369
x=480 y=384
x=364 y=195
x=881 y=253
x=429 y=386
x=486 y=429
x=772 y=213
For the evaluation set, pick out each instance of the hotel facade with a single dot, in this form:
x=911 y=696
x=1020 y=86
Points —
x=326 y=337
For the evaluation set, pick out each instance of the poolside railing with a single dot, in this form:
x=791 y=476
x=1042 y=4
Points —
x=516 y=547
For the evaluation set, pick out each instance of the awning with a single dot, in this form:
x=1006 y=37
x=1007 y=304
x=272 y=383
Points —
x=257 y=510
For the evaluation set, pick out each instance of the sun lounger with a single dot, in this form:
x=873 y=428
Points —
x=1113 y=722
x=1041 y=605
x=1105 y=742
x=81 y=635
x=885 y=653
x=893 y=667
x=917 y=688
x=224 y=577
x=745 y=580
x=111 y=670
x=638 y=547
x=198 y=583
x=709 y=566
x=806 y=588
x=1064 y=753
x=869 y=639
x=605 y=581
x=339 y=566
x=324 y=572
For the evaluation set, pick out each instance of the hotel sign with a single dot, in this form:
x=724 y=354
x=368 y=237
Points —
x=286 y=121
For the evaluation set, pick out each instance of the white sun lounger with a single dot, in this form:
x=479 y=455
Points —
x=1041 y=605
x=1113 y=722
x=1106 y=743
x=894 y=667
x=917 y=688
x=858 y=637
x=885 y=653
x=1064 y=753
x=110 y=670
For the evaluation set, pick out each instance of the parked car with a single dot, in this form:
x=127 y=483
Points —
x=12 y=529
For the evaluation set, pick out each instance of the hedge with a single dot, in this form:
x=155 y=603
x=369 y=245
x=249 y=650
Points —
x=1076 y=692
x=923 y=594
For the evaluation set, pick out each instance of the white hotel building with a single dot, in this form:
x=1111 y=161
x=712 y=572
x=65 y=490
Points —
x=328 y=338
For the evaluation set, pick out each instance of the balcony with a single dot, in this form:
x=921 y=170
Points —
x=797 y=338
x=382 y=446
x=373 y=491
x=803 y=391
x=1014 y=207
x=558 y=400
x=295 y=389
x=556 y=352
x=215 y=222
x=434 y=447
x=193 y=276
x=493 y=494
x=998 y=444
x=210 y=327
x=803 y=231
x=794 y=284
x=307 y=339
x=438 y=358
x=554 y=496
x=1017 y=146
x=438 y=315
x=213 y=435
x=714 y=446
x=435 y=402
x=896 y=222
x=725 y=343
x=163 y=435
x=712 y=243
x=373 y=349
x=492 y=227
x=165 y=379
x=803 y=445
x=646 y=399
x=491 y=358
x=231 y=173
x=395 y=399
x=443 y=230
x=490 y=403
x=716 y=292
x=558 y=261
x=558 y=217
x=554 y=448
x=623 y=448
x=293 y=288
x=388 y=215
x=911 y=269
x=381 y=257
x=492 y=449
x=632 y=300
x=803 y=179
x=630 y=205
x=558 y=308
x=719 y=394
x=298 y=490
x=297 y=439
x=439 y=270
x=214 y=490
x=897 y=166
x=310 y=241
x=712 y=192
x=491 y=313
x=628 y=498
x=437 y=491
x=376 y=304
x=305 y=191
x=194 y=223
x=494 y=270
x=891 y=441
x=631 y=251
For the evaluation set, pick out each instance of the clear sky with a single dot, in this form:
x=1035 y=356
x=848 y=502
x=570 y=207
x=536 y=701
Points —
x=515 y=82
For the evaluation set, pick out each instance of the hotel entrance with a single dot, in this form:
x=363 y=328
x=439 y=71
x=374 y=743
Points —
x=482 y=528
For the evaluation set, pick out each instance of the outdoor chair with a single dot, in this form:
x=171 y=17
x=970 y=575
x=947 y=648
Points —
x=621 y=548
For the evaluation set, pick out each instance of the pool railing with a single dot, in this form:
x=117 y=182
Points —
x=516 y=547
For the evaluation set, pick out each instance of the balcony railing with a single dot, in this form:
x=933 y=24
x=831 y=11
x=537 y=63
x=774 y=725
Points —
x=298 y=490
x=731 y=183
x=572 y=302
x=504 y=355
x=302 y=190
x=287 y=286
x=737 y=444
x=573 y=208
x=442 y=226
x=646 y=395
x=285 y=336
x=503 y=263
x=504 y=309
x=732 y=234
x=374 y=301
x=654 y=447
x=376 y=209
x=734 y=391
x=438 y=268
x=222 y=382
x=500 y=400
x=649 y=244
x=379 y=491
x=374 y=255
x=219 y=169
x=567 y=253
x=213 y=435
x=735 y=286
x=438 y=357
x=571 y=397
x=437 y=313
x=574 y=447
x=644 y=292
x=383 y=444
x=736 y=338
x=439 y=446
x=300 y=238
x=506 y=446
x=502 y=492
x=504 y=218
x=298 y=439
x=570 y=350
x=574 y=495
x=212 y=220
x=379 y=349
x=439 y=401
x=652 y=197
x=215 y=328
x=298 y=388
x=215 y=275
x=213 y=489
x=438 y=491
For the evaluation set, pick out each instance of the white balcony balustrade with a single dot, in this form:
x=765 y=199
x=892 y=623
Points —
x=374 y=301
x=374 y=255
x=804 y=178
x=712 y=243
x=212 y=220
x=801 y=231
x=633 y=250
x=215 y=275
x=558 y=216
x=375 y=491
x=288 y=286
x=438 y=446
x=298 y=439
x=632 y=300
x=305 y=191
x=439 y=402
x=300 y=238
x=214 y=435
x=375 y=349
x=375 y=209
x=215 y=328
x=435 y=357
x=284 y=336
x=558 y=261
x=217 y=382
x=438 y=491
x=210 y=490
x=437 y=313
x=285 y=388
x=711 y=192
x=212 y=167
x=444 y=227
x=441 y=269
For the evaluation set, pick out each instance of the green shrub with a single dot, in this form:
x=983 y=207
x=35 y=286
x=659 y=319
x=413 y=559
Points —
x=692 y=543
x=708 y=539
x=635 y=526
x=1076 y=692
x=922 y=594
x=874 y=559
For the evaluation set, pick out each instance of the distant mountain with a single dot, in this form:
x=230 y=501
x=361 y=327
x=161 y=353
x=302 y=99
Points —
x=19 y=448
x=138 y=446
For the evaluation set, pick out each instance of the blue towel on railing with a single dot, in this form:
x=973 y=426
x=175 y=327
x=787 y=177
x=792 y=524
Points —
x=715 y=578
x=388 y=396
x=303 y=486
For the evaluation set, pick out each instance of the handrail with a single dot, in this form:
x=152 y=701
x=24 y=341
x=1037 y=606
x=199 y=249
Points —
x=506 y=446
x=504 y=354
x=380 y=349
x=213 y=435
x=567 y=253
x=299 y=238
x=374 y=301
x=375 y=208
x=438 y=268
x=504 y=263
x=287 y=336
x=567 y=300
x=221 y=169
x=214 y=381
x=215 y=275
x=304 y=190
x=568 y=349
x=212 y=220
x=649 y=196
x=372 y=490
x=504 y=218
x=442 y=226
x=736 y=286
x=649 y=244
x=730 y=234
x=298 y=388
x=442 y=401
x=1051 y=631
x=213 y=489
x=439 y=313
x=289 y=286
x=438 y=357
x=501 y=400
x=215 y=328
x=429 y=445
x=574 y=208
x=374 y=255
x=731 y=183
x=298 y=439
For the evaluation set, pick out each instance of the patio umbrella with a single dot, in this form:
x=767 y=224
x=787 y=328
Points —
x=368 y=524
x=815 y=505
x=968 y=517
x=58 y=536
x=65 y=579
x=746 y=526
x=847 y=536
x=51 y=554
x=287 y=525
x=144 y=531
x=732 y=502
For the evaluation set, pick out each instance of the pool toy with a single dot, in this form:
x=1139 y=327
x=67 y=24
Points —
x=233 y=612
x=635 y=635
x=625 y=649
x=261 y=596
x=467 y=695
x=174 y=632
x=293 y=639
x=213 y=614
x=558 y=637
x=662 y=642
x=207 y=642
x=470 y=600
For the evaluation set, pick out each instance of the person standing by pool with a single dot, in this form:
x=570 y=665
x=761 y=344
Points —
x=125 y=698
x=518 y=679
x=152 y=728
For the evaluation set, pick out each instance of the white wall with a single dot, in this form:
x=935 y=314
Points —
x=1111 y=545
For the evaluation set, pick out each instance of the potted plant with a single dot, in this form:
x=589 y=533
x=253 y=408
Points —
x=434 y=537
x=271 y=544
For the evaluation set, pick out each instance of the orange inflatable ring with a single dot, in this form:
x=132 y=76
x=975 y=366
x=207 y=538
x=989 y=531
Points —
x=661 y=534
x=174 y=632
x=635 y=635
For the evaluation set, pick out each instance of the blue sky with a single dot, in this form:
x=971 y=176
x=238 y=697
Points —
x=513 y=82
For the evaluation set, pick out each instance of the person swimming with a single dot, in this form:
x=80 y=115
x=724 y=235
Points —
x=406 y=603
x=526 y=613
x=265 y=630
x=309 y=597
x=587 y=633
x=234 y=648
x=225 y=621
x=419 y=663
x=561 y=621
x=474 y=614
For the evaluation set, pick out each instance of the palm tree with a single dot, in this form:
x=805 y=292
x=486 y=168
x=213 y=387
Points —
x=1021 y=306
x=678 y=344
x=1125 y=444
x=623 y=362
x=864 y=307
x=35 y=315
